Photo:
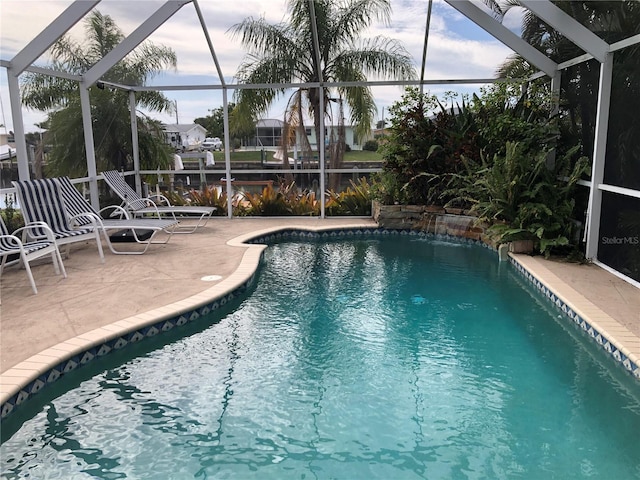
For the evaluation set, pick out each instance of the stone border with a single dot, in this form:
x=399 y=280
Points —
x=430 y=219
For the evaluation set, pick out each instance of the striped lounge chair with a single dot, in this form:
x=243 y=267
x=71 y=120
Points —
x=25 y=251
x=41 y=203
x=139 y=206
x=115 y=230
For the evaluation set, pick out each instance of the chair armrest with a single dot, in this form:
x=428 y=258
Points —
x=160 y=197
x=95 y=220
x=13 y=239
x=118 y=211
x=32 y=226
x=151 y=204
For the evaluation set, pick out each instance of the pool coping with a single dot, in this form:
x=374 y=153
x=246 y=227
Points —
x=617 y=340
x=27 y=378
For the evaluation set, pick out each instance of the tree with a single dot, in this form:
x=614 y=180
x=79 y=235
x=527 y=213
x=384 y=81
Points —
x=110 y=107
x=214 y=123
x=285 y=53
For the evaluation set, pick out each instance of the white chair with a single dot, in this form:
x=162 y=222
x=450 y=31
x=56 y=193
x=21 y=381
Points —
x=131 y=230
x=138 y=205
x=11 y=244
x=41 y=203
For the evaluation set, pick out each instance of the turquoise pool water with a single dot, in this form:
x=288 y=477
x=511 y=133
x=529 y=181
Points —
x=361 y=359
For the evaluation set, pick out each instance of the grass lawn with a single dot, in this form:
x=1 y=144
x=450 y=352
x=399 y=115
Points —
x=254 y=156
x=362 y=156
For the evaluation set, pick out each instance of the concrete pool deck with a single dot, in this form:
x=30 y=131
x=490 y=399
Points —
x=37 y=330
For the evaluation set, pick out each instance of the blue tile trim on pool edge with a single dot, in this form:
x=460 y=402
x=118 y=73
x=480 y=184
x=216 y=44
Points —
x=116 y=344
x=293 y=233
x=598 y=337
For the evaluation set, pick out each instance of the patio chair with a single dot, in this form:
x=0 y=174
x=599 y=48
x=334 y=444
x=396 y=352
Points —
x=12 y=245
x=124 y=229
x=41 y=203
x=138 y=205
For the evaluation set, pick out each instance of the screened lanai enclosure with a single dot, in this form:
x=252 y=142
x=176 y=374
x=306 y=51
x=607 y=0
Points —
x=178 y=60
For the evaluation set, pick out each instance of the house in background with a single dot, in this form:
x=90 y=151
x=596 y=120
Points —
x=269 y=134
x=185 y=137
x=331 y=135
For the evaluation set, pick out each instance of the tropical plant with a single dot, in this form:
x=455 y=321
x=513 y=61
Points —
x=284 y=200
x=109 y=107
x=424 y=147
x=285 y=54
x=354 y=200
x=505 y=111
x=209 y=196
x=386 y=188
x=305 y=204
x=523 y=199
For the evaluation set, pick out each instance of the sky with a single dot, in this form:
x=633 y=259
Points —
x=457 y=49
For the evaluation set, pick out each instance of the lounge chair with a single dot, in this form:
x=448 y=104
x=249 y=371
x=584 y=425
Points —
x=115 y=230
x=138 y=205
x=25 y=251
x=41 y=202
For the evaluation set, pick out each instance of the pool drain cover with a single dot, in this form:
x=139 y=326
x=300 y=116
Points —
x=211 y=278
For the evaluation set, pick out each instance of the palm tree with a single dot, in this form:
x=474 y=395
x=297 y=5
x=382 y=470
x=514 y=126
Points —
x=285 y=53
x=110 y=107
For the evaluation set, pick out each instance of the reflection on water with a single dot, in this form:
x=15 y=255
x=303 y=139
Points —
x=360 y=359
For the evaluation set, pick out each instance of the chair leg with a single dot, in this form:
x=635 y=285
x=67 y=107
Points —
x=146 y=243
x=27 y=267
x=201 y=222
x=54 y=260
x=57 y=263
x=99 y=242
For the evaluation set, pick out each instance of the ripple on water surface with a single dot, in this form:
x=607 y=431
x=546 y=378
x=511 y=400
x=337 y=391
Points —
x=353 y=360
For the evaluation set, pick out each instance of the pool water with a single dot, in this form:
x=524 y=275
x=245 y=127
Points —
x=363 y=359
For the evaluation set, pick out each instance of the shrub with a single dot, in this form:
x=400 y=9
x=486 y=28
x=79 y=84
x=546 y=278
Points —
x=370 y=146
x=355 y=200
x=286 y=200
x=387 y=189
x=210 y=196
x=523 y=199
x=12 y=218
x=436 y=156
x=505 y=113
x=422 y=150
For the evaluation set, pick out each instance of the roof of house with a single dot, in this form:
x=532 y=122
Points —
x=270 y=123
x=182 y=127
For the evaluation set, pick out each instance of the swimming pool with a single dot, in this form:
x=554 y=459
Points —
x=367 y=358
